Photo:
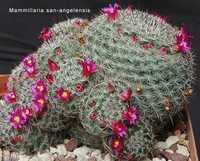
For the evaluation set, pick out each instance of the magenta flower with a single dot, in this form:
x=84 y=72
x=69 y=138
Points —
x=45 y=34
x=10 y=97
x=50 y=78
x=58 y=51
x=88 y=67
x=112 y=12
x=39 y=102
x=164 y=50
x=126 y=95
x=134 y=38
x=131 y=114
x=64 y=94
x=31 y=72
x=183 y=47
x=93 y=115
x=39 y=87
x=77 y=23
x=119 y=128
x=29 y=61
x=183 y=35
x=28 y=111
x=182 y=41
x=17 y=118
x=53 y=66
x=80 y=87
x=117 y=144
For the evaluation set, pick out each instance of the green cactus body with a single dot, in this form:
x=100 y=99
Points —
x=110 y=44
x=57 y=116
x=135 y=52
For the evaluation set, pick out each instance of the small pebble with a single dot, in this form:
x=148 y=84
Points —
x=161 y=145
x=92 y=159
x=34 y=158
x=6 y=155
x=82 y=153
x=53 y=150
x=45 y=157
x=158 y=159
x=182 y=150
x=71 y=144
x=169 y=150
x=23 y=158
x=61 y=150
x=171 y=141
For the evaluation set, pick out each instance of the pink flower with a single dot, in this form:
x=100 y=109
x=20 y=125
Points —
x=163 y=50
x=148 y=45
x=58 y=51
x=88 y=67
x=93 y=116
x=117 y=144
x=119 y=128
x=17 y=118
x=50 y=78
x=110 y=87
x=31 y=72
x=183 y=47
x=112 y=12
x=183 y=35
x=182 y=41
x=45 y=34
x=134 y=38
x=64 y=94
x=28 y=111
x=126 y=95
x=53 y=66
x=39 y=87
x=29 y=61
x=80 y=87
x=10 y=97
x=77 y=23
x=131 y=114
x=39 y=102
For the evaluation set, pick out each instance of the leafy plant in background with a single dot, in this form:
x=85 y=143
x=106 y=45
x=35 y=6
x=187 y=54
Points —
x=118 y=76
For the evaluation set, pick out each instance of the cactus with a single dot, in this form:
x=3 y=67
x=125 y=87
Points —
x=54 y=118
x=130 y=49
x=120 y=75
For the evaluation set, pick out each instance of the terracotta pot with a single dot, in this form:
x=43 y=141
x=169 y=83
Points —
x=193 y=147
x=3 y=81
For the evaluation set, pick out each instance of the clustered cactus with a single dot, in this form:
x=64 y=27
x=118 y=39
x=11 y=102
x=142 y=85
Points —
x=107 y=82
